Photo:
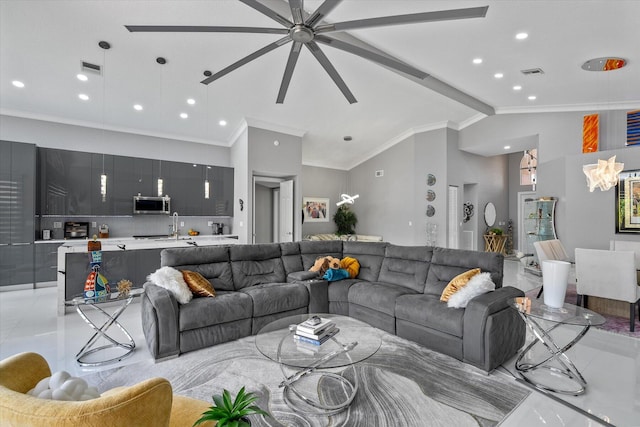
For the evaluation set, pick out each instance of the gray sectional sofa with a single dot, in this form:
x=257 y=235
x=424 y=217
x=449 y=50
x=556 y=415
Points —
x=397 y=289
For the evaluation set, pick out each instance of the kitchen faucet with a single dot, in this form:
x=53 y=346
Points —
x=174 y=225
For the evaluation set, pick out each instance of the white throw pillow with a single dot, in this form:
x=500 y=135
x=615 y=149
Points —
x=478 y=285
x=172 y=280
x=62 y=386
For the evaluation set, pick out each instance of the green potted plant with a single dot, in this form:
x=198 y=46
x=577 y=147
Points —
x=346 y=220
x=230 y=413
x=496 y=231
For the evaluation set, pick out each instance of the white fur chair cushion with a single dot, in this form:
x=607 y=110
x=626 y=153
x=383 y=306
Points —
x=62 y=386
x=478 y=285
x=172 y=280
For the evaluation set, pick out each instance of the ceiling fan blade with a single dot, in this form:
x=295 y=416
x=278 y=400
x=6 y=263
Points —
x=297 y=10
x=441 y=15
x=321 y=12
x=324 y=61
x=288 y=71
x=268 y=12
x=367 y=54
x=201 y=29
x=268 y=48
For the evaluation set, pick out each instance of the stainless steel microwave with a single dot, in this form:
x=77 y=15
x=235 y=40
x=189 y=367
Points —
x=151 y=205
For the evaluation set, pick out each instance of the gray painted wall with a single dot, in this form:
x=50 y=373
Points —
x=583 y=219
x=324 y=183
x=241 y=180
x=79 y=138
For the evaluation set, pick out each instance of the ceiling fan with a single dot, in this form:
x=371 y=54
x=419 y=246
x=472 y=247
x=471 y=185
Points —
x=308 y=30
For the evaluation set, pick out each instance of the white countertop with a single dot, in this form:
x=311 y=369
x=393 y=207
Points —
x=130 y=243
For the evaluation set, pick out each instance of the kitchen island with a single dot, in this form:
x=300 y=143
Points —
x=122 y=258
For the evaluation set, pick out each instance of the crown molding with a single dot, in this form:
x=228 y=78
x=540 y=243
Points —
x=261 y=124
x=604 y=106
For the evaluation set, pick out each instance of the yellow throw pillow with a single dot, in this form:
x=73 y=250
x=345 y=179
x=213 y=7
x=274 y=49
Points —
x=200 y=286
x=351 y=265
x=458 y=283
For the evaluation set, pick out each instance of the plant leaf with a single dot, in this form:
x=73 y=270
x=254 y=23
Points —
x=226 y=397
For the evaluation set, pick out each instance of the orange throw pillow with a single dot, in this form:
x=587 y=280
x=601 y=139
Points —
x=200 y=286
x=458 y=283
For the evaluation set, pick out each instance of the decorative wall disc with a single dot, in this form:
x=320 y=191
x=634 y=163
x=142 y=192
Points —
x=431 y=211
x=431 y=179
x=431 y=195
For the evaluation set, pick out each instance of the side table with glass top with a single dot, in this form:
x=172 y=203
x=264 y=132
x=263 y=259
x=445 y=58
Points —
x=116 y=350
x=320 y=380
x=553 y=370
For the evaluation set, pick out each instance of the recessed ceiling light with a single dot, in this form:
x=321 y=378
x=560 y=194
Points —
x=82 y=77
x=477 y=60
x=191 y=101
x=222 y=122
x=184 y=115
x=522 y=36
x=83 y=97
x=532 y=97
x=517 y=87
x=506 y=147
x=137 y=107
x=498 y=75
x=17 y=83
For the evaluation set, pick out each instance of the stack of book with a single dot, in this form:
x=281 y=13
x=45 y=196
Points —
x=315 y=334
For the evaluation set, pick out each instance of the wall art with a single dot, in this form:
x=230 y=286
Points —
x=315 y=209
x=628 y=202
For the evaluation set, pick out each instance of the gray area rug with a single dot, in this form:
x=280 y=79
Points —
x=403 y=384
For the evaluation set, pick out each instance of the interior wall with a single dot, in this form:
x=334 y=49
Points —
x=241 y=184
x=263 y=214
x=281 y=160
x=92 y=140
x=324 y=183
x=583 y=219
x=490 y=176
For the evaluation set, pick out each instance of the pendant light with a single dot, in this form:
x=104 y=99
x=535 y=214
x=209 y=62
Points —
x=206 y=182
x=103 y=176
x=160 y=183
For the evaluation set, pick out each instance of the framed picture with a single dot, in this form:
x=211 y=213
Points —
x=628 y=202
x=315 y=209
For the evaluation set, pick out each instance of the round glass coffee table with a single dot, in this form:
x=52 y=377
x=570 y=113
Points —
x=553 y=370
x=314 y=378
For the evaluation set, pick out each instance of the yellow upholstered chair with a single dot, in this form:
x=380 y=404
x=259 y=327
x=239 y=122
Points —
x=148 y=403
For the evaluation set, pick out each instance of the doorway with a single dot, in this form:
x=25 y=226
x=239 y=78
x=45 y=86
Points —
x=273 y=217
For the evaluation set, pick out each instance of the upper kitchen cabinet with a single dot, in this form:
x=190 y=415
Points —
x=133 y=176
x=222 y=192
x=102 y=200
x=65 y=182
x=184 y=183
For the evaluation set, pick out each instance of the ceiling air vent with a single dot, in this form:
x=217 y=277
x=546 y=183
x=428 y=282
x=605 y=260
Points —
x=91 y=68
x=532 y=72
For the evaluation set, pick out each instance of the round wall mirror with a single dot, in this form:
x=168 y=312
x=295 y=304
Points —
x=490 y=214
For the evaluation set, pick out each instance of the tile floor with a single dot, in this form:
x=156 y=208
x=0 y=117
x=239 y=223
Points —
x=609 y=362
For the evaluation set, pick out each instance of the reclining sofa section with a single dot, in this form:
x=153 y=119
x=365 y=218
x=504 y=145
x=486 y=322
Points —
x=397 y=289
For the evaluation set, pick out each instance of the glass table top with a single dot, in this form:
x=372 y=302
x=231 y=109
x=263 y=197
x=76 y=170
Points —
x=568 y=314
x=111 y=297
x=276 y=342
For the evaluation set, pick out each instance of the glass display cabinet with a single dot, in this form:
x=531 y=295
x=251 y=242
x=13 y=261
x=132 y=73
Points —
x=539 y=224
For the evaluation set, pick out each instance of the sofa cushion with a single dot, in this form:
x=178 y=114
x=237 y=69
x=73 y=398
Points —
x=172 y=280
x=478 y=285
x=291 y=259
x=457 y=283
x=270 y=298
x=369 y=255
x=227 y=306
x=339 y=291
x=448 y=263
x=406 y=266
x=429 y=311
x=255 y=264
x=210 y=261
x=311 y=250
x=377 y=296
x=199 y=286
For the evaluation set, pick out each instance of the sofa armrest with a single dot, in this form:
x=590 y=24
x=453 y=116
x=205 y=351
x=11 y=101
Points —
x=301 y=276
x=160 y=321
x=492 y=331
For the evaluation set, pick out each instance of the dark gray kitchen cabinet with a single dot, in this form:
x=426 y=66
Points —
x=184 y=183
x=46 y=264
x=102 y=204
x=65 y=182
x=132 y=176
x=17 y=212
x=220 y=202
